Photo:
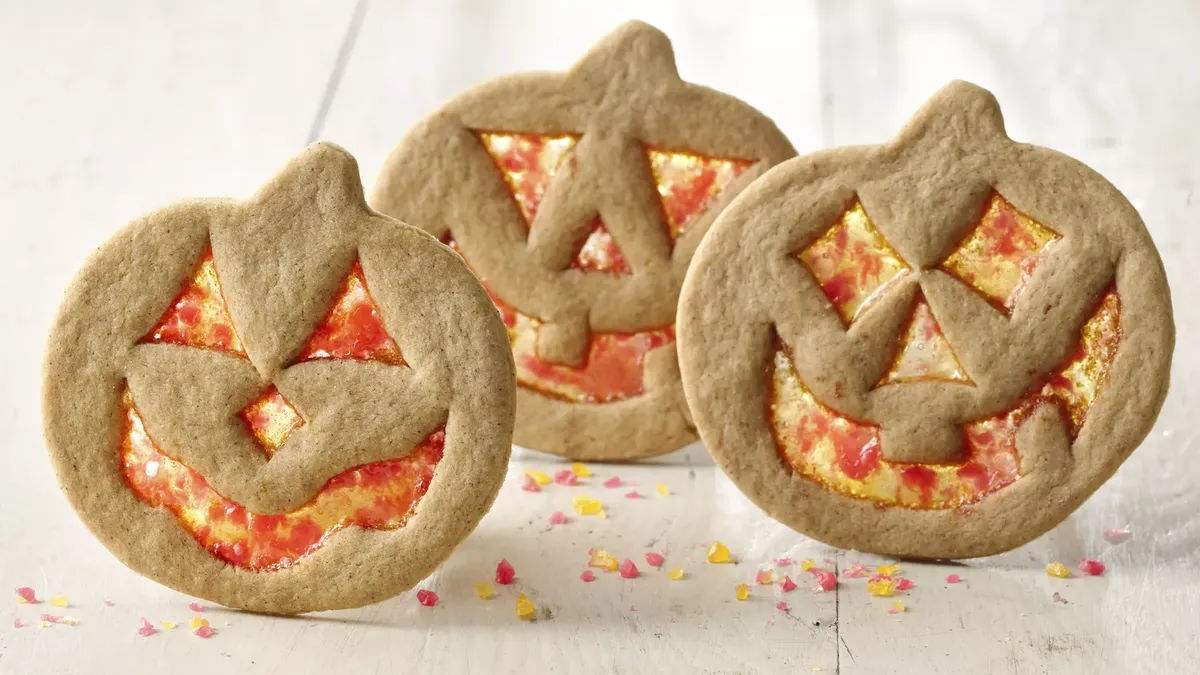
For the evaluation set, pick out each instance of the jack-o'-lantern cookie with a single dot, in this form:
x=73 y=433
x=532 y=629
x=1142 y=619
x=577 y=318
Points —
x=579 y=198
x=286 y=404
x=937 y=347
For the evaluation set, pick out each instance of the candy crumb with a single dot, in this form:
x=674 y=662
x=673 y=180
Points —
x=787 y=585
x=198 y=622
x=1058 y=598
x=26 y=596
x=614 y=482
x=580 y=469
x=147 y=629
x=538 y=477
x=169 y=625
x=196 y=607
x=764 y=577
x=742 y=591
x=903 y=584
x=59 y=601
x=783 y=562
x=855 y=571
x=1117 y=535
x=655 y=559
x=17 y=623
x=427 y=598
x=204 y=632
x=526 y=611
x=662 y=489
x=887 y=570
x=897 y=607
x=530 y=484
x=558 y=518
x=718 y=553
x=782 y=606
x=505 y=573
x=1058 y=570
x=566 y=477
x=587 y=506
x=484 y=589
x=953 y=579
x=675 y=574
x=881 y=586
x=587 y=576
x=633 y=494
x=807 y=564
x=109 y=603
x=1090 y=567
x=70 y=621
x=628 y=570
x=825 y=580
x=45 y=624
x=604 y=560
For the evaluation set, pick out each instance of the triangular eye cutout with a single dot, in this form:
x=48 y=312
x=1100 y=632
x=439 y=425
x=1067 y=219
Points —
x=528 y=163
x=924 y=352
x=688 y=183
x=199 y=317
x=353 y=328
x=600 y=252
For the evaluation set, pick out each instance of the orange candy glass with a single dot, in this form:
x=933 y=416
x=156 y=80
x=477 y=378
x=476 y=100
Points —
x=924 y=353
x=688 y=183
x=199 y=317
x=600 y=252
x=528 y=163
x=270 y=419
x=353 y=328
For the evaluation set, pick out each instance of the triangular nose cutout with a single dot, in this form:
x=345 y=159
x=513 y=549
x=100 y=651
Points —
x=924 y=353
x=600 y=252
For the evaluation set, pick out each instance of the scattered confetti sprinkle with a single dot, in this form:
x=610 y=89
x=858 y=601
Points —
x=198 y=622
x=70 y=621
x=558 y=518
x=530 y=484
x=59 y=601
x=782 y=606
x=45 y=624
x=169 y=625
x=204 y=632
x=427 y=598
x=587 y=576
x=662 y=489
x=603 y=559
x=225 y=654
x=825 y=580
x=675 y=574
x=526 y=611
x=566 y=477
x=1090 y=567
x=147 y=628
x=764 y=577
x=1058 y=570
x=196 y=607
x=484 y=589
x=1058 y=598
x=742 y=591
x=1117 y=535
x=855 y=571
x=505 y=573
x=587 y=506
x=887 y=570
x=718 y=553
x=881 y=586
x=787 y=585
x=614 y=482
x=538 y=477
x=903 y=584
x=655 y=559
x=26 y=596
x=628 y=569
x=633 y=494
x=782 y=562
x=807 y=564
x=897 y=607
x=953 y=579
x=109 y=603
x=17 y=623
x=580 y=469
x=51 y=618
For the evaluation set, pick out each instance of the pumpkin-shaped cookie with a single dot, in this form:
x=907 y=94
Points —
x=937 y=347
x=285 y=404
x=579 y=198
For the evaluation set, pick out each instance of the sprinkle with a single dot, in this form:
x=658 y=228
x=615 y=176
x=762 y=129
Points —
x=614 y=482
x=566 y=477
x=225 y=654
x=604 y=560
x=787 y=585
x=742 y=591
x=147 y=628
x=51 y=618
x=198 y=622
x=953 y=579
x=45 y=624
x=675 y=574
x=580 y=469
x=558 y=518
x=70 y=621
x=26 y=596
x=662 y=489
x=782 y=606
x=807 y=564
x=887 y=570
x=1118 y=535
x=587 y=576
x=674 y=620
x=903 y=584
x=204 y=632
x=857 y=570
x=825 y=580
x=1058 y=570
x=1090 y=567
x=526 y=610
x=881 y=586
x=633 y=494
x=764 y=577
x=538 y=477
x=587 y=506
x=484 y=589
x=633 y=608
x=655 y=559
x=530 y=484
x=1058 y=598
x=897 y=607
x=59 y=601
x=505 y=573
x=781 y=562
x=718 y=553
x=169 y=625
x=628 y=569
x=17 y=623
x=196 y=607
x=109 y=603
x=427 y=598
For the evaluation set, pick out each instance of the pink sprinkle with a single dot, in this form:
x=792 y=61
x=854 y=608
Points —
x=829 y=561
x=782 y=606
x=1117 y=535
x=26 y=594
x=654 y=559
x=764 y=577
x=109 y=603
x=225 y=654
x=627 y=569
x=783 y=561
x=147 y=628
x=826 y=580
x=858 y=570
x=903 y=584
x=196 y=607
x=953 y=579
x=51 y=618
x=633 y=608
x=614 y=482
x=530 y=485
x=204 y=632
x=558 y=518
x=674 y=620
x=1090 y=567
x=566 y=477
x=587 y=576
x=427 y=598
x=17 y=623
x=633 y=494
x=787 y=585
x=505 y=573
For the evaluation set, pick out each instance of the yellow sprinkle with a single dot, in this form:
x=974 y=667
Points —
x=45 y=624
x=743 y=591
x=169 y=625
x=675 y=574
x=602 y=514
x=526 y=611
x=70 y=621
x=484 y=589
x=580 y=469
x=604 y=560
x=897 y=607
x=539 y=477
x=59 y=601
x=718 y=553
x=198 y=622
x=588 y=506
x=1057 y=569
x=887 y=570
x=881 y=588
x=662 y=489
x=807 y=564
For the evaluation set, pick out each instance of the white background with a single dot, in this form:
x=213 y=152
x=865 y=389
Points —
x=110 y=109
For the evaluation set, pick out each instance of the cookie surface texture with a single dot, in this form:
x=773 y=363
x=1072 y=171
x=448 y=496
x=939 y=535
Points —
x=284 y=404
x=937 y=347
x=579 y=199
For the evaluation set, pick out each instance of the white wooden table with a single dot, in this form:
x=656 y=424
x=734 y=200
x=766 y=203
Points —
x=108 y=111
